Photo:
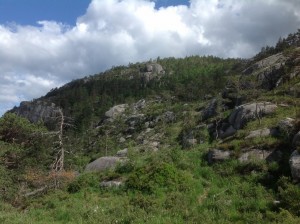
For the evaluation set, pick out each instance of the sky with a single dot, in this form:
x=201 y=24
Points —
x=47 y=43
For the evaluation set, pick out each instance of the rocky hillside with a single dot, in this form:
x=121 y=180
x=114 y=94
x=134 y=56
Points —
x=170 y=141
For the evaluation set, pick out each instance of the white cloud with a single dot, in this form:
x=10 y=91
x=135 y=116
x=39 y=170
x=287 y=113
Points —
x=34 y=59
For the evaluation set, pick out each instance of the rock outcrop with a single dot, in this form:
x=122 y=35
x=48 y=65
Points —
x=240 y=116
x=251 y=111
x=210 y=110
x=150 y=72
x=167 y=117
x=116 y=110
x=227 y=132
x=104 y=163
x=122 y=153
x=295 y=165
x=268 y=71
x=217 y=155
x=286 y=127
x=263 y=133
x=248 y=155
x=37 y=111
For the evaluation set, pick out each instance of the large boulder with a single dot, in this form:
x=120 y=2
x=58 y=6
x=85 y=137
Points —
x=295 y=165
x=103 y=163
x=116 y=110
x=251 y=111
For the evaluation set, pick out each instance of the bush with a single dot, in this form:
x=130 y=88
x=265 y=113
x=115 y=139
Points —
x=87 y=180
x=289 y=195
x=158 y=176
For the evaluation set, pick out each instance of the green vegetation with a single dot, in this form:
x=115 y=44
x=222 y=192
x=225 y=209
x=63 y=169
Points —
x=166 y=177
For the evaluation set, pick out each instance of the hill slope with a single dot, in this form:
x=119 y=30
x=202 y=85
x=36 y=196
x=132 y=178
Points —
x=170 y=141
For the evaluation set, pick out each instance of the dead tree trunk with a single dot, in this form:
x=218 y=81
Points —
x=58 y=164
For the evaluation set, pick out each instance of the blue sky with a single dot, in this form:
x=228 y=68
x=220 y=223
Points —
x=28 y=12
x=47 y=43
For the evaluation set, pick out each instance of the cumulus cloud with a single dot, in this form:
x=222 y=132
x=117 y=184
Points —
x=34 y=59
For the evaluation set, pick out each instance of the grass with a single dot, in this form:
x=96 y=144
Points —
x=216 y=194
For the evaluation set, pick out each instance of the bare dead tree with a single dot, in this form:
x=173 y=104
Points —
x=258 y=112
x=217 y=120
x=58 y=164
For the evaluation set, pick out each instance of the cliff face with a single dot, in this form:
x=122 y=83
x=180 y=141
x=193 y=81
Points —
x=36 y=111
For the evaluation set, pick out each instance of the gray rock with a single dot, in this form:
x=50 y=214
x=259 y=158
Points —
x=268 y=71
x=122 y=140
x=122 y=153
x=228 y=132
x=111 y=183
x=232 y=96
x=37 y=111
x=295 y=165
x=188 y=140
x=147 y=124
x=254 y=155
x=210 y=110
x=154 y=144
x=296 y=140
x=154 y=68
x=116 y=110
x=135 y=120
x=251 y=111
x=191 y=142
x=150 y=72
x=276 y=59
x=217 y=155
x=139 y=105
x=262 y=133
x=286 y=126
x=103 y=163
x=169 y=117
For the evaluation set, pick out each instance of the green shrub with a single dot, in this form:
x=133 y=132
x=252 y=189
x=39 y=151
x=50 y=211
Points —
x=158 y=175
x=289 y=195
x=87 y=180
